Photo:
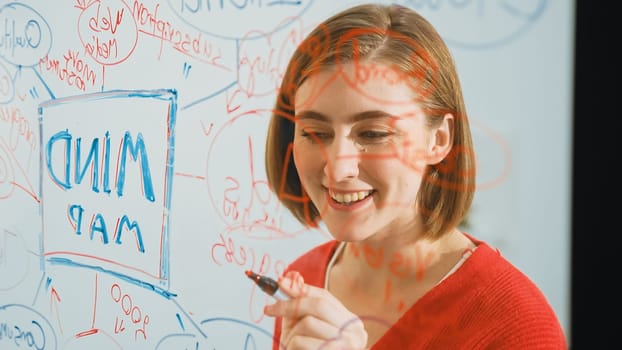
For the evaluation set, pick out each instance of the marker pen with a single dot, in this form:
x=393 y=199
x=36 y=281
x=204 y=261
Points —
x=267 y=284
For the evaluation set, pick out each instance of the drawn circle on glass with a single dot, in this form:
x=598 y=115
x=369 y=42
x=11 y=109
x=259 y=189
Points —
x=479 y=24
x=27 y=37
x=235 y=19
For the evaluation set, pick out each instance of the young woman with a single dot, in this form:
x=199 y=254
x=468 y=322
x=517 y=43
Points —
x=370 y=137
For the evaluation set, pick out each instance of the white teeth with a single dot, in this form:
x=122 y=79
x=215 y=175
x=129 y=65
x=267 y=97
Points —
x=349 y=197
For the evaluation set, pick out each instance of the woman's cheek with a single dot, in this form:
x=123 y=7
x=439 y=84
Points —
x=298 y=155
x=306 y=157
x=411 y=157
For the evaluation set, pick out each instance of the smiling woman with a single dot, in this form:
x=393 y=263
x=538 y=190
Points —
x=346 y=143
x=370 y=137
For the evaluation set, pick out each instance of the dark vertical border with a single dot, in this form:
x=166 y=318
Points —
x=596 y=251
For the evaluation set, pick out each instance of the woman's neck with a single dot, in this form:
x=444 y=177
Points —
x=401 y=259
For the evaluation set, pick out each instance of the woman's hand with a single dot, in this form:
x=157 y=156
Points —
x=314 y=319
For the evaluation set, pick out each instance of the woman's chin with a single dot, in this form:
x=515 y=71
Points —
x=348 y=234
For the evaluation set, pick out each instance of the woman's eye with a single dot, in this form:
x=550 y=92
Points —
x=314 y=135
x=374 y=135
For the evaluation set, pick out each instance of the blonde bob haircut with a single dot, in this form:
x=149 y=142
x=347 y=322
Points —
x=400 y=37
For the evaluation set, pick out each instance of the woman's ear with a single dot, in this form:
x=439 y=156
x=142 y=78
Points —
x=441 y=140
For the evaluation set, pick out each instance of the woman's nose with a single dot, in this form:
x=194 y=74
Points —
x=343 y=158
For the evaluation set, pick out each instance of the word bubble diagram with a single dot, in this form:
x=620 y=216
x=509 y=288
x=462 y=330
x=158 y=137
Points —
x=484 y=23
x=24 y=328
x=106 y=171
x=233 y=19
x=25 y=36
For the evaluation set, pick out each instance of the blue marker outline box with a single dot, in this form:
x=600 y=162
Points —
x=159 y=282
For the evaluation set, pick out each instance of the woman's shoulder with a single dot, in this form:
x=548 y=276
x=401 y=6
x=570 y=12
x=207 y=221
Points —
x=488 y=262
x=490 y=269
x=509 y=296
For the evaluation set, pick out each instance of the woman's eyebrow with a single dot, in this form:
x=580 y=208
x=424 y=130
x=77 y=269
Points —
x=310 y=114
x=357 y=117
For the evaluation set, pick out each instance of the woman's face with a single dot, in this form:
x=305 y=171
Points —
x=360 y=148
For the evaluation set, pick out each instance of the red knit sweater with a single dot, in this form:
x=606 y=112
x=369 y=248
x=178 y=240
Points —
x=486 y=304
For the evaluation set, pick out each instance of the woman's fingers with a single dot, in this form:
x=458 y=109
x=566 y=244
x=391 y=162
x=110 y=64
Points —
x=314 y=319
x=311 y=333
x=299 y=307
x=309 y=343
x=313 y=302
x=293 y=284
x=310 y=327
x=301 y=342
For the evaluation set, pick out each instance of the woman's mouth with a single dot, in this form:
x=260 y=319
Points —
x=349 y=198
